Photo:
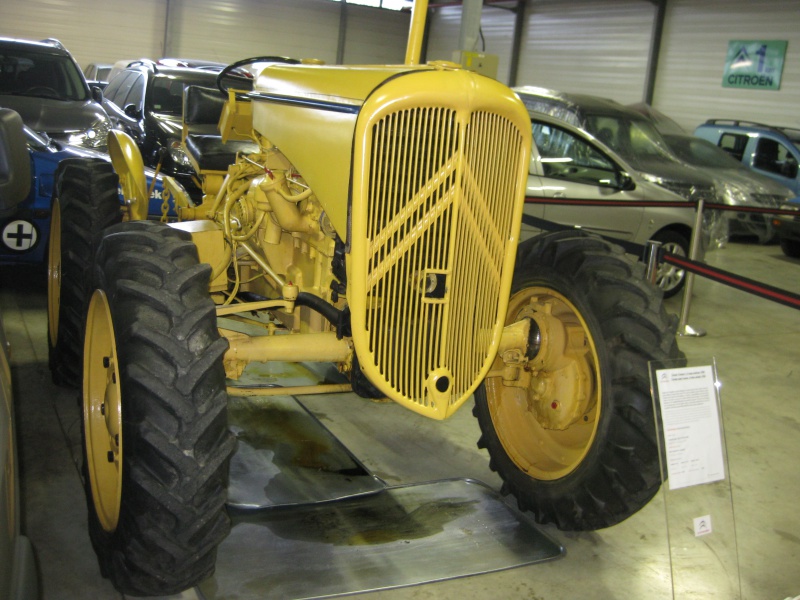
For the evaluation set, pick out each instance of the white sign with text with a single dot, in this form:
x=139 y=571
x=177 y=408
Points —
x=692 y=437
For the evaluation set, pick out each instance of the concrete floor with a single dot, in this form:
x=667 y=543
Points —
x=755 y=343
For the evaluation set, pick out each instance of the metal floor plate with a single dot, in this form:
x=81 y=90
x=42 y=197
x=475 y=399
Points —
x=285 y=456
x=399 y=537
x=310 y=521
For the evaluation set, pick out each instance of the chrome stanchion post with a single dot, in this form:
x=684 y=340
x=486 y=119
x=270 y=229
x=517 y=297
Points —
x=684 y=329
x=650 y=259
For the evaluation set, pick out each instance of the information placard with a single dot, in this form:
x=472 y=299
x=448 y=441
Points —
x=691 y=426
x=696 y=490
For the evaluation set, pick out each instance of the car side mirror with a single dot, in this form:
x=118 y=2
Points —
x=624 y=182
x=15 y=162
x=97 y=93
x=131 y=111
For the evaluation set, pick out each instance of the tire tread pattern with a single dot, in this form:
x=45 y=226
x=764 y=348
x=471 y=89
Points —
x=87 y=192
x=176 y=442
x=621 y=473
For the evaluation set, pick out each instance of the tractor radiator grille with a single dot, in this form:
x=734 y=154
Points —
x=440 y=209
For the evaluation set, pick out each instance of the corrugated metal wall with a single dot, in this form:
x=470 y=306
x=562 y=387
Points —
x=228 y=30
x=695 y=41
x=497 y=26
x=601 y=47
x=589 y=46
x=222 y=30
x=592 y=46
x=93 y=30
x=375 y=36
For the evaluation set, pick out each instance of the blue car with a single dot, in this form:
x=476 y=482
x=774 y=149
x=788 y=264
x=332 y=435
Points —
x=771 y=151
x=26 y=229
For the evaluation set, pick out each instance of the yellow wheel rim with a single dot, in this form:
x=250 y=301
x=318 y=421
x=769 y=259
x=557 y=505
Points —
x=54 y=273
x=548 y=420
x=102 y=412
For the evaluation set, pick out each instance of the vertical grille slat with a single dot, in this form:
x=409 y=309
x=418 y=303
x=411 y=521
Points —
x=442 y=187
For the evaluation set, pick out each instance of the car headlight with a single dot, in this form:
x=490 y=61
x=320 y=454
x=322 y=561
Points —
x=95 y=137
x=179 y=157
x=732 y=194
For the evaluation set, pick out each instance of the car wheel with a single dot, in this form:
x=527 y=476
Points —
x=669 y=277
x=790 y=248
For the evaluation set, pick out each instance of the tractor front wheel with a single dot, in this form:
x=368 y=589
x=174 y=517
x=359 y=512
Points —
x=573 y=435
x=156 y=441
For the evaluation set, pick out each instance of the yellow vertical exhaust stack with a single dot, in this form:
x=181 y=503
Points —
x=416 y=32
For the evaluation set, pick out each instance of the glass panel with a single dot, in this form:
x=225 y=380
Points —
x=40 y=75
x=566 y=156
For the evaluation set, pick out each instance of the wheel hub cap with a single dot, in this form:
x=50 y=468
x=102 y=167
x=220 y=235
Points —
x=547 y=420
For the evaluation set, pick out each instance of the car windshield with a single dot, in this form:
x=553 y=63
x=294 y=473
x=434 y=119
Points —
x=166 y=93
x=701 y=153
x=40 y=75
x=636 y=141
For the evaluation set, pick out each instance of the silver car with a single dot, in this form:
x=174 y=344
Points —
x=631 y=135
x=569 y=163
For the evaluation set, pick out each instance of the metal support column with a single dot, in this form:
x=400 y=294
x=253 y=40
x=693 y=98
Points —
x=655 y=49
x=342 y=33
x=516 y=46
x=684 y=329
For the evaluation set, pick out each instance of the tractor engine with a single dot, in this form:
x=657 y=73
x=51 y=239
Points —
x=381 y=205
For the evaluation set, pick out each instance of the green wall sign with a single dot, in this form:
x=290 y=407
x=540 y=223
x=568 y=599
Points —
x=754 y=64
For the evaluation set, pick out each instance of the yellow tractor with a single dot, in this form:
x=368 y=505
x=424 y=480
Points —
x=365 y=216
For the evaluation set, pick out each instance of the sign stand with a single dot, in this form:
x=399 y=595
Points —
x=696 y=488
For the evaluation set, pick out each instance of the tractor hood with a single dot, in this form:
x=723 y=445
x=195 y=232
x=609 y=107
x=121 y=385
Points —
x=320 y=117
x=309 y=112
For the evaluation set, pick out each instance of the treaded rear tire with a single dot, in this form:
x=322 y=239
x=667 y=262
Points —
x=175 y=439
x=619 y=472
x=87 y=191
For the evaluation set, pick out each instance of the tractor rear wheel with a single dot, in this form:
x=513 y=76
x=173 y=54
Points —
x=86 y=202
x=156 y=440
x=573 y=437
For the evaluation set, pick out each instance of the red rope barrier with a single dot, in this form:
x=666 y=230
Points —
x=719 y=275
x=736 y=281
x=657 y=203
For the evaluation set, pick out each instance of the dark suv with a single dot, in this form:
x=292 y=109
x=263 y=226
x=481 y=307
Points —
x=43 y=83
x=146 y=101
